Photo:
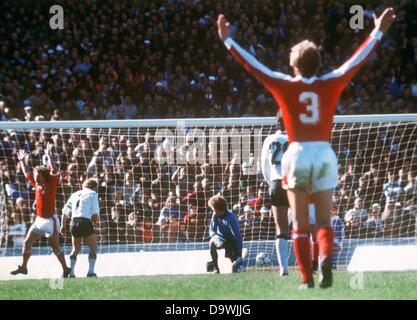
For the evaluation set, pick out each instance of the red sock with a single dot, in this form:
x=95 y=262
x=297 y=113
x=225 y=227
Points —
x=61 y=258
x=315 y=251
x=301 y=242
x=325 y=240
x=26 y=257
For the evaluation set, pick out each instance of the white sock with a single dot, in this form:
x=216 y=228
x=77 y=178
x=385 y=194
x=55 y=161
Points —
x=73 y=262
x=91 y=264
x=281 y=245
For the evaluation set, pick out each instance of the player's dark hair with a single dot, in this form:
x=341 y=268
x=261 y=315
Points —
x=305 y=56
x=43 y=171
x=90 y=184
x=218 y=203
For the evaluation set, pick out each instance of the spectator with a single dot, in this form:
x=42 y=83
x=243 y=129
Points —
x=147 y=231
x=355 y=218
x=391 y=218
x=194 y=224
x=170 y=209
x=374 y=224
x=258 y=201
x=411 y=187
x=128 y=109
x=339 y=233
x=266 y=230
x=132 y=227
x=392 y=189
x=15 y=189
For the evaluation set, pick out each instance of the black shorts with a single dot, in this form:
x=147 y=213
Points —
x=278 y=194
x=81 y=227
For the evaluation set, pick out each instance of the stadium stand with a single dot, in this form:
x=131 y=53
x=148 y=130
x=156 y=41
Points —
x=106 y=64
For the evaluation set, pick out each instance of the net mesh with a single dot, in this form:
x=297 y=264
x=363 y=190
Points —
x=154 y=183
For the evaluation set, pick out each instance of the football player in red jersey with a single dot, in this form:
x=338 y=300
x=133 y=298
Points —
x=308 y=103
x=45 y=181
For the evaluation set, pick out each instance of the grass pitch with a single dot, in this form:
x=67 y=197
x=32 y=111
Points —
x=250 y=285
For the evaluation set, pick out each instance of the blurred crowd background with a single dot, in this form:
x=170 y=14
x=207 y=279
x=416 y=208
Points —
x=146 y=200
x=163 y=59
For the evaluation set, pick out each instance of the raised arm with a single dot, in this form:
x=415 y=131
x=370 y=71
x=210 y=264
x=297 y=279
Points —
x=348 y=70
x=21 y=156
x=262 y=73
x=52 y=157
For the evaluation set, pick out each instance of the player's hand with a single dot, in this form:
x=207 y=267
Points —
x=384 y=21
x=223 y=27
x=63 y=231
x=21 y=154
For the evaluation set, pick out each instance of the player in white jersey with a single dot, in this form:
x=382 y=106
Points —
x=83 y=209
x=273 y=149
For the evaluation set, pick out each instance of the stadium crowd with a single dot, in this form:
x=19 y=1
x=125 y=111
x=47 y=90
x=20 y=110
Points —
x=162 y=59
x=143 y=200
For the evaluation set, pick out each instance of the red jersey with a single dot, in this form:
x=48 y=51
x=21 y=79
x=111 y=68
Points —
x=45 y=195
x=308 y=104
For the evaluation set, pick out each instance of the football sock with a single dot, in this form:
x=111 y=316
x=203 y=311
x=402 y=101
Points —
x=92 y=257
x=214 y=256
x=302 y=253
x=73 y=261
x=325 y=240
x=315 y=252
x=281 y=246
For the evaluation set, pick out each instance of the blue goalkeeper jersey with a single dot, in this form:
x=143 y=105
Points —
x=227 y=227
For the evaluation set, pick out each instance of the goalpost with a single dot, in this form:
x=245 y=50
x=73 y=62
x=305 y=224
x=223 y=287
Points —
x=155 y=177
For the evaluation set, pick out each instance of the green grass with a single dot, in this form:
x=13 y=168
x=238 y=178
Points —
x=251 y=285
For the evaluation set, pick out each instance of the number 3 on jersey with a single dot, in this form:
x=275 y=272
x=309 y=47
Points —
x=311 y=100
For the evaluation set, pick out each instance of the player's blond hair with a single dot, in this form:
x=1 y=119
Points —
x=305 y=56
x=218 y=203
x=43 y=171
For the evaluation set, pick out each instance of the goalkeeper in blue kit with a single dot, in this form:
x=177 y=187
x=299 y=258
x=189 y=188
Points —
x=224 y=234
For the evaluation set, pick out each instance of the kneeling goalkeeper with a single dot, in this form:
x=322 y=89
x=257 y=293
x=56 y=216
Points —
x=224 y=234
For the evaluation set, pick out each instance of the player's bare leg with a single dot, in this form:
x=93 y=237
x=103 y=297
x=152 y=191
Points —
x=298 y=201
x=323 y=203
x=314 y=247
x=280 y=215
x=30 y=239
x=91 y=241
x=54 y=243
x=76 y=248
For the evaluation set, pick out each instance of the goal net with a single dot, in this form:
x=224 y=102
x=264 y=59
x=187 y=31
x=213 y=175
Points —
x=155 y=178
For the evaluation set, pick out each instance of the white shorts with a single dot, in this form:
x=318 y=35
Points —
x=309 y=167
x=46 y=227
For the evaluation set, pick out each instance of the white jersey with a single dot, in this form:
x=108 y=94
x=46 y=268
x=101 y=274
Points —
x=82 y=204
x=272 y=151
